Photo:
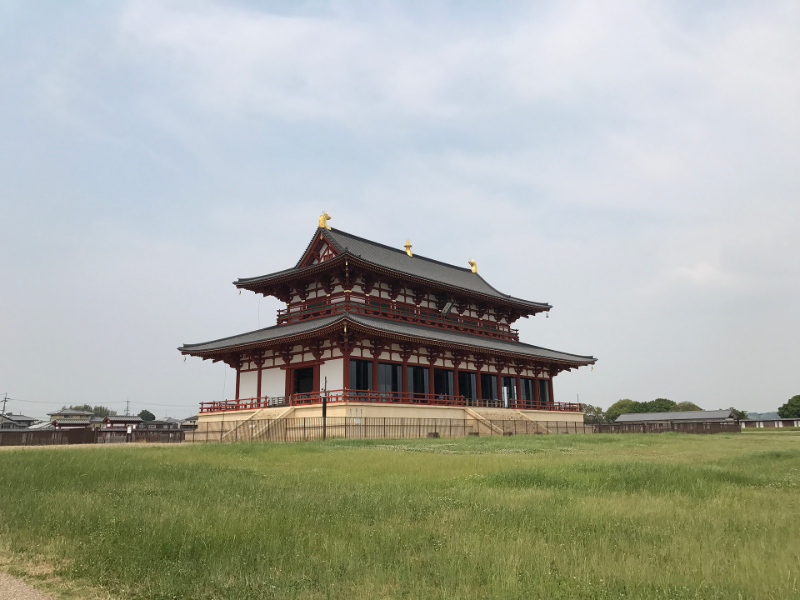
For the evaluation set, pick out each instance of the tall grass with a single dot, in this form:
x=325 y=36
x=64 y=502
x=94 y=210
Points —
x=605 y=516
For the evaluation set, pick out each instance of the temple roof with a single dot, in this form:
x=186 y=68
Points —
x=265 y=337
x=393 y=259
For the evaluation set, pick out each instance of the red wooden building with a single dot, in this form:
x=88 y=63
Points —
x=384 y=332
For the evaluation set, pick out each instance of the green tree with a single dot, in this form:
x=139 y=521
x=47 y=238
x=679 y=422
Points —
x=790 y=410
x=619 y=407
x=658 y=405
x=739 y=414
x=685 y=406
x=593 y=414
x=146 y=415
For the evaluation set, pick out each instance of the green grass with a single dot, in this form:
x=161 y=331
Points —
x=571 y=516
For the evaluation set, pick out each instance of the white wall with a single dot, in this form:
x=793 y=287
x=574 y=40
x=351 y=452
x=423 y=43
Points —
x=332 y=369
x=273 y=382
x=248 y=384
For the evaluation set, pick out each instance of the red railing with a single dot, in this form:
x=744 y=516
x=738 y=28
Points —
x=410 y=314
x=335 y=396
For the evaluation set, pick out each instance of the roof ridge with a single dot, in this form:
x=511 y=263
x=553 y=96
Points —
x=433 y=260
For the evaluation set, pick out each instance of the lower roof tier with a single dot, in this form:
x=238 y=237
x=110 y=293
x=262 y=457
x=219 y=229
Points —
x=374 y=326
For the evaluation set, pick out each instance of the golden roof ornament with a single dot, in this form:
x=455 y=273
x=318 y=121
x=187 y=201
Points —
x=323 y=220
x=408 y=248
x=474 y=265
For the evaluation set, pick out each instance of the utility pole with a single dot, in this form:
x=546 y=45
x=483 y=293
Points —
x=127 y=407
x=5 y=399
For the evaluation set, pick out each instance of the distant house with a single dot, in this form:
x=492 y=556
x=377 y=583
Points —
x=68 y=413
x=70 y=423
x=120 y=423
x=759 y=423
x=706 y=416
x=189 y=424
x=165 y=424
x=12 y=421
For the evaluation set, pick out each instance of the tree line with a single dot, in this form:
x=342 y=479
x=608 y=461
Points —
x=104 y=411
x=596 y=415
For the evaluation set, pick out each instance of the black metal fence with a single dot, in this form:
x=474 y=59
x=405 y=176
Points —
x=313 y=428
x=664 y=426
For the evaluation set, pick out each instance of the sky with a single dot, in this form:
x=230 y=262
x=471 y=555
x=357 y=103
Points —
x=636 y=165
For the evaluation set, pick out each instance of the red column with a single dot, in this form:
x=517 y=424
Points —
x=519 y=391
x=455 y=380
x=375 y=376
x=500 y=385
x=238 y=373
x=430 y=379
x=550 y=389
x=346 y=368
x=536 y=391
x=316 y=384
x=404 y=377
x=478 y=390
x=258 y=383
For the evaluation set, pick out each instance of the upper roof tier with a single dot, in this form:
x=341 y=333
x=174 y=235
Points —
x=391 y=261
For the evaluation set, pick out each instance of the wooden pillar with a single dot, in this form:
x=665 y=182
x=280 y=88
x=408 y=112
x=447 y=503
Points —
x=238 y=377
x=550 y=389
x=404 y=377
x=500 y=384
x=478 y=388
x=519 y=391
x=316 y=385
x=375 y=372
x=456 y=391
x=431 y=388
x=289 y=382
x=260 y=364
x=536 y=390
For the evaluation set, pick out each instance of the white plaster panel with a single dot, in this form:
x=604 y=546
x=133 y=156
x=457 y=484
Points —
x=333 y=370
x=273 y=382
x=248 y=384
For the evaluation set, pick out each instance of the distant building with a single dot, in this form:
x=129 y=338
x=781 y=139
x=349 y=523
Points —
x=12 y=421
x=706 y=416
x=70 y=423
x=165 y=424
x=69 y=413
x=189 y=424
x=760 y=423
x=120 y=423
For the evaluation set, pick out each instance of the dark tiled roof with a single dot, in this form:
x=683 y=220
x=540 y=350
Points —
x=262 y=335
x=397 y=260
x=18 y=417
x=63 y=422
x=123 y=419
x=688 y=415
x=420 y=332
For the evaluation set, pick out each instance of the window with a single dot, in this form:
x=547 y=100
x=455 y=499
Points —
x=390 y=379
x=527 y=389
x=488 y=386
x=509 y=389
x=417 y=380
x=544 y=392
x=360 y=374
x=304 y=380
x=466 y=385
x=443 y=382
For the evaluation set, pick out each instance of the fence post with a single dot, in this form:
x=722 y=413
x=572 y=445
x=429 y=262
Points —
x=384 y=427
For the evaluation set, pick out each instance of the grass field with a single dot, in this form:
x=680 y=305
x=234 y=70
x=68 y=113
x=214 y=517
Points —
x=572 y=516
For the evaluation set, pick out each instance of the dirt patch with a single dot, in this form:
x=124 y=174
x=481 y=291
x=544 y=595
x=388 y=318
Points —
x=12 y=588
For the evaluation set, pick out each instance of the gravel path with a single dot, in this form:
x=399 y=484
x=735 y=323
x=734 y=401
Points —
x=12 y=588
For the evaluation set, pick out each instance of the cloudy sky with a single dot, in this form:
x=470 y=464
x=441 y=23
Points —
x=633 y=164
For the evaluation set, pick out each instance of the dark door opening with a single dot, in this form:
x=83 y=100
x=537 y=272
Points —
x=304 y=380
